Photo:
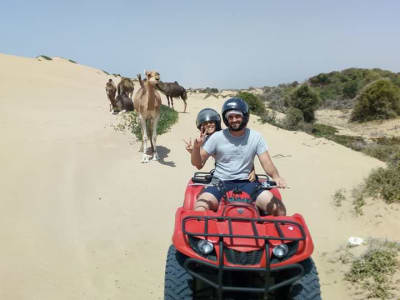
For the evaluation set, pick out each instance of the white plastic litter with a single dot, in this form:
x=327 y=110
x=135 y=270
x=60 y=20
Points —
x=355 y=241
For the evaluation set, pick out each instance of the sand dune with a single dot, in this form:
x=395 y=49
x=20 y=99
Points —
x=83 y=218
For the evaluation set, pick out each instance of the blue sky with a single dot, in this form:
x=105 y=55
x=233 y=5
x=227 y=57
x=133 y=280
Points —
x=218 y=43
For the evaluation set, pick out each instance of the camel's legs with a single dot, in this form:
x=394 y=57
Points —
x=145 y=157
x=139 y=120
x=184 y=101
x=154 y=137
x=168 y=100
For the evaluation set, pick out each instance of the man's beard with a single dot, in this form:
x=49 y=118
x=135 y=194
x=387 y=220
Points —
x=238 y=128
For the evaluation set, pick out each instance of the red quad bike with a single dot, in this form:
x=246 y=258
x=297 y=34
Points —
x=236 y=253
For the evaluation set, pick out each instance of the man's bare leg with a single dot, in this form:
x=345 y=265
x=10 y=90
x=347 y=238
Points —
x=270 y=205
x=206 y=201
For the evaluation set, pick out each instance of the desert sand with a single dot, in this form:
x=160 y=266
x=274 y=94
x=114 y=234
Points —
x=83 y=218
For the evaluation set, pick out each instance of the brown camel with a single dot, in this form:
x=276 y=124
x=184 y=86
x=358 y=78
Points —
x=147 y=104
x=123 y=103
x=111 y=90
x=173 y=90
x=126 y=87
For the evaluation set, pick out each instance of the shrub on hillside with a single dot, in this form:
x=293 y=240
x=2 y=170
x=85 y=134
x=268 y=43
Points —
x=374 y=271
x=386 y=149
x=294 y=117
x=350 y=89
x=385 y=183
x=209 y=90
x=256 y=106
x=378 y=101
x=305 y=99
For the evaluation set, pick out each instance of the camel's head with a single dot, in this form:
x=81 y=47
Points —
x=153 y=77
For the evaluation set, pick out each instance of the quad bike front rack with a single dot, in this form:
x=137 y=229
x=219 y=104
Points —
x=191 y=264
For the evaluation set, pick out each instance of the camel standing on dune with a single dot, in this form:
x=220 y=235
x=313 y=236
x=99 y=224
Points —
x=147 y=103
x=173 y=90
x=111 y=90
x=126 y=87
x=124 y=99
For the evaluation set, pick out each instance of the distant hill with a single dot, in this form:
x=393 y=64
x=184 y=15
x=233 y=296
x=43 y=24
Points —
x=337 y=89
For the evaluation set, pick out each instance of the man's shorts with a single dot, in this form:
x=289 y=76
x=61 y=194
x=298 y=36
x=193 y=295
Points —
x=218 y=187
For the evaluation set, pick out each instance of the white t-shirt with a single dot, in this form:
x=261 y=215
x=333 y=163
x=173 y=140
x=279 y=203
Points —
x=234 y=156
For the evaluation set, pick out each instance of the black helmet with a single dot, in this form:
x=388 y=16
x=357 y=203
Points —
x=239 y=105
x=208 y=114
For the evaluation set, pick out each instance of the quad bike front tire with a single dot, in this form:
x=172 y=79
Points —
x=178 y=282
x=307 y=287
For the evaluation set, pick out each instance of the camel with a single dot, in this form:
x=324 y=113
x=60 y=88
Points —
x=147 y=103
x=173 y=90
x=111 y=90
x=126 y=87
x=123 y=103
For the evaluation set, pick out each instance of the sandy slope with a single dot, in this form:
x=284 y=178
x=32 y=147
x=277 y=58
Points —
x=82 y=218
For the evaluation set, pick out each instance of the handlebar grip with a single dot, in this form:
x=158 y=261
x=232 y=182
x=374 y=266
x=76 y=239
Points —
x=269 y=184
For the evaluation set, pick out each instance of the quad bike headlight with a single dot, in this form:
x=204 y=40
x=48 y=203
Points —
x=280 y=251
x=205 y=247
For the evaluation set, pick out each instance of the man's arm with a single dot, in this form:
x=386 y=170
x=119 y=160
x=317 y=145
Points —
x=199 y=156
x=270 y=169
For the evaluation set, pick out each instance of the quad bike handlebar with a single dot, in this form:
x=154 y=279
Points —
x=205 y=178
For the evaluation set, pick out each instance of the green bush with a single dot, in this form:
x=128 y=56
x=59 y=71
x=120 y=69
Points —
x=270 y=117
x=209 y=90
x=377 y=101
x=384 y=183
x=305 y=99
x=350 y=89
x=322 y=130
x=294 y=117
x=256 y=106
x=373 y=270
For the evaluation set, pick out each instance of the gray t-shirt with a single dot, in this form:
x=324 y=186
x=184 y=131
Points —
x=234 y=156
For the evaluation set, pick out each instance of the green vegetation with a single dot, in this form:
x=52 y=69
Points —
x=208 y=90
x=70 y=60
x=44 y=57
x=386 y=149
x=339 y=197
x=337 y=90
x=294 y=118
x=106 y=72
x=384 y=183
x=277 y=97
x=129 y=121
x=306 y=100
x=347 y=83
x=256 y=106
x=377 y=101
x=373 y=270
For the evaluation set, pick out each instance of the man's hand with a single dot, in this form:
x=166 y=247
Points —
x=200 y=140
x=252 y=175
x=189 y=145
x=280 y=182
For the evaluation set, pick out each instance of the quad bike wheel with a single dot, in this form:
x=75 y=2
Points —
x=178 y=282
x=307 y=287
